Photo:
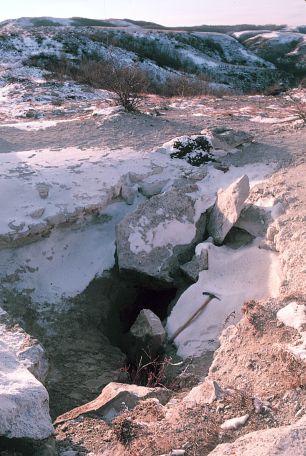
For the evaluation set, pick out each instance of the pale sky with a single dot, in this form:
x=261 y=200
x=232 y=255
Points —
x=166 y=12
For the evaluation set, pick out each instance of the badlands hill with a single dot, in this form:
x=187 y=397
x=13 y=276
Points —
x=242 y=57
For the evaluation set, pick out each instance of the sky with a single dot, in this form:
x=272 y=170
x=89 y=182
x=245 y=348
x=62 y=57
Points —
x=165 y=12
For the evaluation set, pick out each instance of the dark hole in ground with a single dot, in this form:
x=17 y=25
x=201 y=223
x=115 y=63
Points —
x=155 y=300
x=26 y=447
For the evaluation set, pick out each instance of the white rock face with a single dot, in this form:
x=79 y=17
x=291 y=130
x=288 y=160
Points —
x=227 y=209
x=282 y=441
x=24 y=401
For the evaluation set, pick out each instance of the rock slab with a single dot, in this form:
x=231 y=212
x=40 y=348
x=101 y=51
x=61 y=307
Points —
x=161 y=233
x=114 y=399
x=147 y=335
x=227 y=209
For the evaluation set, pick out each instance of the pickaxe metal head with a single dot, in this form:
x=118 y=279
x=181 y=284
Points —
x=211 y=295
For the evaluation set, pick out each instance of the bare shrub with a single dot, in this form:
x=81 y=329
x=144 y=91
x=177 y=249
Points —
x=151 y=373
x=184 y=86
x=128 y=82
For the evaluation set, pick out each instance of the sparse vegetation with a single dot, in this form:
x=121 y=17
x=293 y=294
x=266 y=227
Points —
x=195 y=151
x=150 y=372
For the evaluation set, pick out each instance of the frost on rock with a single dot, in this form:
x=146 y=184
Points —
x=161 y=233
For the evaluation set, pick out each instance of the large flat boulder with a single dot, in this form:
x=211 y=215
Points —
x=161 y=233
x=114 y=400
x=227 y=208
x=24 y=401
x=226 y=138
x=282 y=441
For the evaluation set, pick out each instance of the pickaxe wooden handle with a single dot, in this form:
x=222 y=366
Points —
x=195 y=315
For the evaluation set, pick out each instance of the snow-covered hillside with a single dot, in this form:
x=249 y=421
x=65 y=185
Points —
x=236 y=61
x=286 y=49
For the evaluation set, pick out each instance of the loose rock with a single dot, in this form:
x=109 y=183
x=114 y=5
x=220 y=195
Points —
x=227 y=208
x=114 y=399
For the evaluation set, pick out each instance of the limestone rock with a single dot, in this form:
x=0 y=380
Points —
x=234 y=423
x=129 y=193
x=205 y=393
x=282 y=441
x=24 y=410
x=149 y=189
x=147 y=334
x=37 y=213
x=27 y=349
x=254 y=220
x=114 y=399
x=227 y=208
x=197 y=264
x=161 y=234
x=226 y=138
x=43 y=190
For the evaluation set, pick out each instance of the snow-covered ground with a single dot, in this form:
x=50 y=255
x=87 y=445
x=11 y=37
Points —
x=235 y=276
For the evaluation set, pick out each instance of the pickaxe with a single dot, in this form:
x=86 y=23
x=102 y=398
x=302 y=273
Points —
x=195 y=315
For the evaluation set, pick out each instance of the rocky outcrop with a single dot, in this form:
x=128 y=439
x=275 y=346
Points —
x=282 y=441
x=160 y=235
x=24 y=411
x=114 y=399
x=227 y=208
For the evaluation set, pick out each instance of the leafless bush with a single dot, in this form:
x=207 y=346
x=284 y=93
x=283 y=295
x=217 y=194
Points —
x=128 y=82
x=151 y=373
x=183 y=86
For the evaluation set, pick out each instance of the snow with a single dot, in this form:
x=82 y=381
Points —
x=234 y=275
x=170 y=232
x=36 y=125
x=64 y=263
x=273 y=120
